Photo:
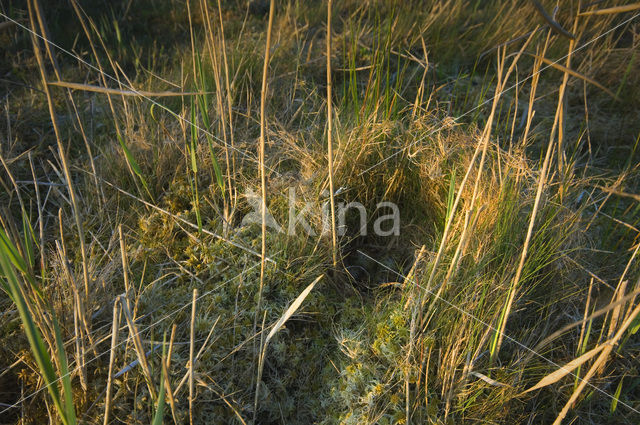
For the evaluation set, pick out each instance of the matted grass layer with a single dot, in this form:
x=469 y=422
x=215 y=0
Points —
x=508 y=147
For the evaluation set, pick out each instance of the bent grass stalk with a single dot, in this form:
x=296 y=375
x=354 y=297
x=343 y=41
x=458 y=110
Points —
x=295 y=305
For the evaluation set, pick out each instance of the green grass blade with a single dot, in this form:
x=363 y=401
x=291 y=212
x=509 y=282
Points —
x=8 y=249
x=194 y=140
x=29 y=239
x=616 y=397
x=158 y=416
x=66 y=376
x=133 y=164
x=38 y=348
x=194 y=165
x=203 y=106
x=214 y=161
x=451 y=196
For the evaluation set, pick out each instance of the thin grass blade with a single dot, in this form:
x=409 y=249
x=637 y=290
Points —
x=133 y=163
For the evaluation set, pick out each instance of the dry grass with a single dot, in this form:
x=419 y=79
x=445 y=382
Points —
x=504 y=131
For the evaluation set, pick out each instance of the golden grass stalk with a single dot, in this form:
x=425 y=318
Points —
x=581 y=340
x=232 y=194
x=137 y=343
x=123 y=256
x=334 y=240
x=166 y=364
x=107 y=90
x=611 y=10
x=573 y=73
x=115 y=326
x=78 y=314
x=615 y=313
x=261 y=147
x=535 y=72
x=192 y=337
x=621 y=193
x=158 y=416
x=213 y=56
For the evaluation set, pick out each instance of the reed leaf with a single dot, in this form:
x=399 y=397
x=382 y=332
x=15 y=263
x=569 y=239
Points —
x=554 y=377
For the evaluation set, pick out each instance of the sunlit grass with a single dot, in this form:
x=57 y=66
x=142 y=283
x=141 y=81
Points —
x=514 y=169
